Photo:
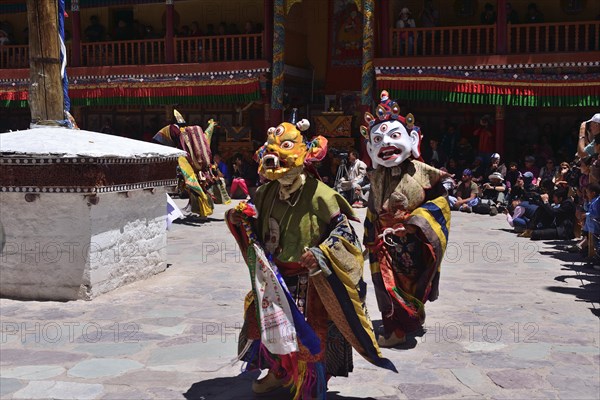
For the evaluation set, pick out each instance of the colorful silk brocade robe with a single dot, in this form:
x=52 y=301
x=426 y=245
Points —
x=195 y=167
x=406 y=270
x=332 y=300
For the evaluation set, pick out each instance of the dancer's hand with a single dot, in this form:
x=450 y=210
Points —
x=234 y=217
x=308 y=260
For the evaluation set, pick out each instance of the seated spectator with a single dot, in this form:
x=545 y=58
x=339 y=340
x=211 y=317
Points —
x=553 y=222
x=222 y=166
x=563 y=175
x=512 y=175
x=433 y=154
x=477 y=170
x=548 y=171
x=452 y=167
x=525 y=190
x=522 y=214
x=466 y=193
x=239 y=178
x=496 y=166
x=464 y=152
x=530 y=167
x=492 y=196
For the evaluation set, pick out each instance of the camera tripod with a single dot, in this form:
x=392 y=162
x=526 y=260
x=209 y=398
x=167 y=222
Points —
x=342 y=171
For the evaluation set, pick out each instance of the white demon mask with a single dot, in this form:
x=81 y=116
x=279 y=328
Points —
x=389 y=141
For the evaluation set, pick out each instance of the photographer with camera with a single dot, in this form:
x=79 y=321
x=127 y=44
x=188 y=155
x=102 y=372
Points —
x=351 y=177
x=587 y=130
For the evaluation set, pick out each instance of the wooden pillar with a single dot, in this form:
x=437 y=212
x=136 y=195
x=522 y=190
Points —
x=76 y=44
x=45 y=90
x=500 y=129
x=368 y=72
x=383 y=20
x=278 y=62
x=170 y=33
x=268 y=30
x=501 y=27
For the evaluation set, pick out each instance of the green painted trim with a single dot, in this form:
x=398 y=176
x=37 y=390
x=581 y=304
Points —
x=496 y=99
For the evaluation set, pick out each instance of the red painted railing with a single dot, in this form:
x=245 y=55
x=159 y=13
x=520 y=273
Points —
x=411 y=42
x=481 y=40
x=152 y=51
x=446 y=41
x=131 y=52
x=219 y=48
x=14 y=56
x=555 y=37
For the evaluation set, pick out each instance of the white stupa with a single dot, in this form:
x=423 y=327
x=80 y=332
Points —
x=82 y=212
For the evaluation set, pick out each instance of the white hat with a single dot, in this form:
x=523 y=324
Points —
x=496 y=175
x=496 y=156
x=595 y=118
x=405 y=10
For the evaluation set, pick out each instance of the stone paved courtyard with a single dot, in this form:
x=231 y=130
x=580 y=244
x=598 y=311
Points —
x=515 y=320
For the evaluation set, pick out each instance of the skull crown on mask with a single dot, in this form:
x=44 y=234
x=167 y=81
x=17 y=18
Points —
x=389 y=142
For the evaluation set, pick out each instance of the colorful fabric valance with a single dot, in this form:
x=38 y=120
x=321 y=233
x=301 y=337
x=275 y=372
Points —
x=473 y=87
x=232 y=88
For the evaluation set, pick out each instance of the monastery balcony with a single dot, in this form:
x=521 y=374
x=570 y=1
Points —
x=478 y=45
x=204 y=49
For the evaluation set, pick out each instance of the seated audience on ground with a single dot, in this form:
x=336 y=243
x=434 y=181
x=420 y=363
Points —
x=222 y=166
x=492 y=196
x=239 y=183
x=478 y=170
x=554 y=221
x=512 y=175
x=530 y=166
x=523 y=212
x=433 y=154
x=496 y=166
x=548 y=171
x=466 y=193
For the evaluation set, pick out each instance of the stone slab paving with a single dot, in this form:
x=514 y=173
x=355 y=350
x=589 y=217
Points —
x=515 y=320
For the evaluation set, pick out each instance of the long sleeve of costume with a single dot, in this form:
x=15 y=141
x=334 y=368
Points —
x=406 y=271
x=343 y=291
x=331 y=298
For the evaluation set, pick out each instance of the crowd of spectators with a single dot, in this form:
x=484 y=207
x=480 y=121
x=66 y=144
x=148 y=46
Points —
x=136 y=30
x=543 y=198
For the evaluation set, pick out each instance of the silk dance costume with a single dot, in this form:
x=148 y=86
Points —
x=195 y=167
x=407 y=224
x=296 y=214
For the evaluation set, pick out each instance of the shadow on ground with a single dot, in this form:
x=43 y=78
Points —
x=575 y=268
x=240 y=387
x=192 y=220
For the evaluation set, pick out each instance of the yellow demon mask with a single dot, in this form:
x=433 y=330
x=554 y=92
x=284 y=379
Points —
x=285 y=150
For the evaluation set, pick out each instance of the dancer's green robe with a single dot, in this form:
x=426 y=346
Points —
x=332 y=299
